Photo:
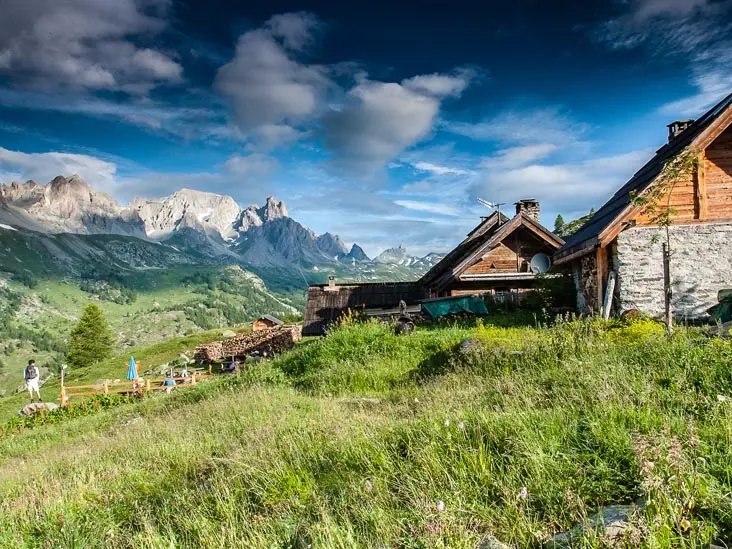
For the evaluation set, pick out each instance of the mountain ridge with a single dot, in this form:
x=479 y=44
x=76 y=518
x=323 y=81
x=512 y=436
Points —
x=201 y=223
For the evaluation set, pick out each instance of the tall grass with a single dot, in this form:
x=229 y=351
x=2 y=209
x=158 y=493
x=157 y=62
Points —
x=367 y=439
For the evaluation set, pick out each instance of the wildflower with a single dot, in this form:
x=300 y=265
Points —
x=523 y=493
x=721 y=398
x=447 y=423
x=461 y=425
x=440 y=506
x=368 y=485
x=685 y=524
x=416 y=400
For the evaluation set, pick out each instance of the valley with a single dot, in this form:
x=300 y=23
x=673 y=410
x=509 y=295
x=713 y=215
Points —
x=158 y=268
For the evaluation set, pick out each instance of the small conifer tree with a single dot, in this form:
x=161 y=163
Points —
x=558 y=223
x=91 y=340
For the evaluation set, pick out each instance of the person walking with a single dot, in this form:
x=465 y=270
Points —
x=32 y=376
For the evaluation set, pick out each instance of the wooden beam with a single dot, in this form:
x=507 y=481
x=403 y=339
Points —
x=701 y=188
x=601 y=260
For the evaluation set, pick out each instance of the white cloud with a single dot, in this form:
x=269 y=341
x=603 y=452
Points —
x=243 y=177
x=253 y=165
x=441 y=85
x=84 y=45
x=514 y=157
x=440 y=170
x=42 y=167
x=565 y=187
x=380 y=120
x=268 y=89
x=429 y=207
x=699 y=32
x=186 y=122
x=295 y=29
x=537 y=126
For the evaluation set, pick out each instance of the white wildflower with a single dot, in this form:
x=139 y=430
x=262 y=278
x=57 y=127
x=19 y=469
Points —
x=368 y=485
x=523 y=493
x=721 y=398
x=461 y=425
x=440 y=506
x=447 y=423
x=416 y=400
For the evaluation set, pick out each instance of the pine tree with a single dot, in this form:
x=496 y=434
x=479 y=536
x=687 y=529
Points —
x=91 y=339
x=558 y=223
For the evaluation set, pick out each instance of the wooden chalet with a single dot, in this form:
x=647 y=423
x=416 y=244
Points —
x=493 y=259
x=620 y=238
x=265 y=322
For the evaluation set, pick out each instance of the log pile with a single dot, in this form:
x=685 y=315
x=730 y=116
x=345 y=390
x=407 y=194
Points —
x=262 y=342
x=209 y=352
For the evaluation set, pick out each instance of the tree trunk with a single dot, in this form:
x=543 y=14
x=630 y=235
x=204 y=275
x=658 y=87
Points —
x=667 y=292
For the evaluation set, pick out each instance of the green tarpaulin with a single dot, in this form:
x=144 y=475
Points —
x=722 y=312
x=455 y=305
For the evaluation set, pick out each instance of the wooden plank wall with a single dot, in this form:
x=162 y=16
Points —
x=512 y=255
x=707 y=195
x=718 y=176
x=325 y=306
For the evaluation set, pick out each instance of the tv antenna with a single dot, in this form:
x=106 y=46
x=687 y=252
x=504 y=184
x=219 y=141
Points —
x=493 y=205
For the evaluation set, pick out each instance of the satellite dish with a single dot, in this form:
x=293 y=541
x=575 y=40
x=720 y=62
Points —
x=540 y=263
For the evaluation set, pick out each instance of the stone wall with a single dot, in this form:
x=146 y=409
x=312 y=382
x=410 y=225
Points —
x=701 y=265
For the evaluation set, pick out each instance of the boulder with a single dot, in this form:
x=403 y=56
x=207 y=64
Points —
x=613 y=524
x=489 y=542
x=36 y=407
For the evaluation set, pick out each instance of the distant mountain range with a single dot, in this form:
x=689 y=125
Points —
x=193 y=226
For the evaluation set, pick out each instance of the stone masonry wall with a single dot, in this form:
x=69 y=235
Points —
x=701 y=265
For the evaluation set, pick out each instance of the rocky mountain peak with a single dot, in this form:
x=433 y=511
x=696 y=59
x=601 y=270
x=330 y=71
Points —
x=273 y=209
x=357 y=253
x=69 y=204
x=331 y=245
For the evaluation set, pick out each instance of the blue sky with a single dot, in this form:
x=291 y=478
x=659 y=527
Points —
x=381 y=121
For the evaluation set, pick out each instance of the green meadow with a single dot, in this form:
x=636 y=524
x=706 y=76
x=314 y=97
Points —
x=453 y=436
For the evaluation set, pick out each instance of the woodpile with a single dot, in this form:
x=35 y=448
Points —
x=262 y=342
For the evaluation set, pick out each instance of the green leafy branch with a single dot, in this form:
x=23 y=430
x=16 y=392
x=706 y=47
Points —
x=655 y=201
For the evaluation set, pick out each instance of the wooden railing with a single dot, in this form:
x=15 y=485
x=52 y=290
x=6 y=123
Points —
x=140 y=387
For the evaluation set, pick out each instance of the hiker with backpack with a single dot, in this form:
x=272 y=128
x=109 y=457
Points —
x=32 y=375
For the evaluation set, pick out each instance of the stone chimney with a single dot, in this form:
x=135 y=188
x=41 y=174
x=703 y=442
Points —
x=675 y=128
x=529 y=207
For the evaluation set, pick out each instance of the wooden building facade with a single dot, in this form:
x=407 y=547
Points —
x=493 y=259
x=620 y=237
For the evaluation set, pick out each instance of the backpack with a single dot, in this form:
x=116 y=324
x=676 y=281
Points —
x=31 y=372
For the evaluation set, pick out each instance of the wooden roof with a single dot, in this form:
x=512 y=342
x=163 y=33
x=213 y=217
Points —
x=479 y=241
x=272 y=319
x=600 y=226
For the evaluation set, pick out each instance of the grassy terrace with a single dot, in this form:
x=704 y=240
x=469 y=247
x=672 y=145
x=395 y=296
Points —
x=365 y=439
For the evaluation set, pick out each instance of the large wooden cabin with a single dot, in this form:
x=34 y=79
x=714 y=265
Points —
x=620 y=237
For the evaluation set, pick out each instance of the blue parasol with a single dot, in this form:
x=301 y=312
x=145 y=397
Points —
x=132 y=371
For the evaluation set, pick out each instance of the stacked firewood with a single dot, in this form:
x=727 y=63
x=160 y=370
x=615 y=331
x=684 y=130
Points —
x=262 y=342
x=209 y=352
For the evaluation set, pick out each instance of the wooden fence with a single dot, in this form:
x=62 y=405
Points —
x=140 y=387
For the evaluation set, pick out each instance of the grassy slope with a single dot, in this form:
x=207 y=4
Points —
x=116 y=367
x=156 y=315
x=582 y=414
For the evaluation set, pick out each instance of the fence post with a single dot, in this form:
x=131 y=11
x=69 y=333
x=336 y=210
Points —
x=64 y=399
x=147 y=385
x=106 y=388
x=193 y=378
